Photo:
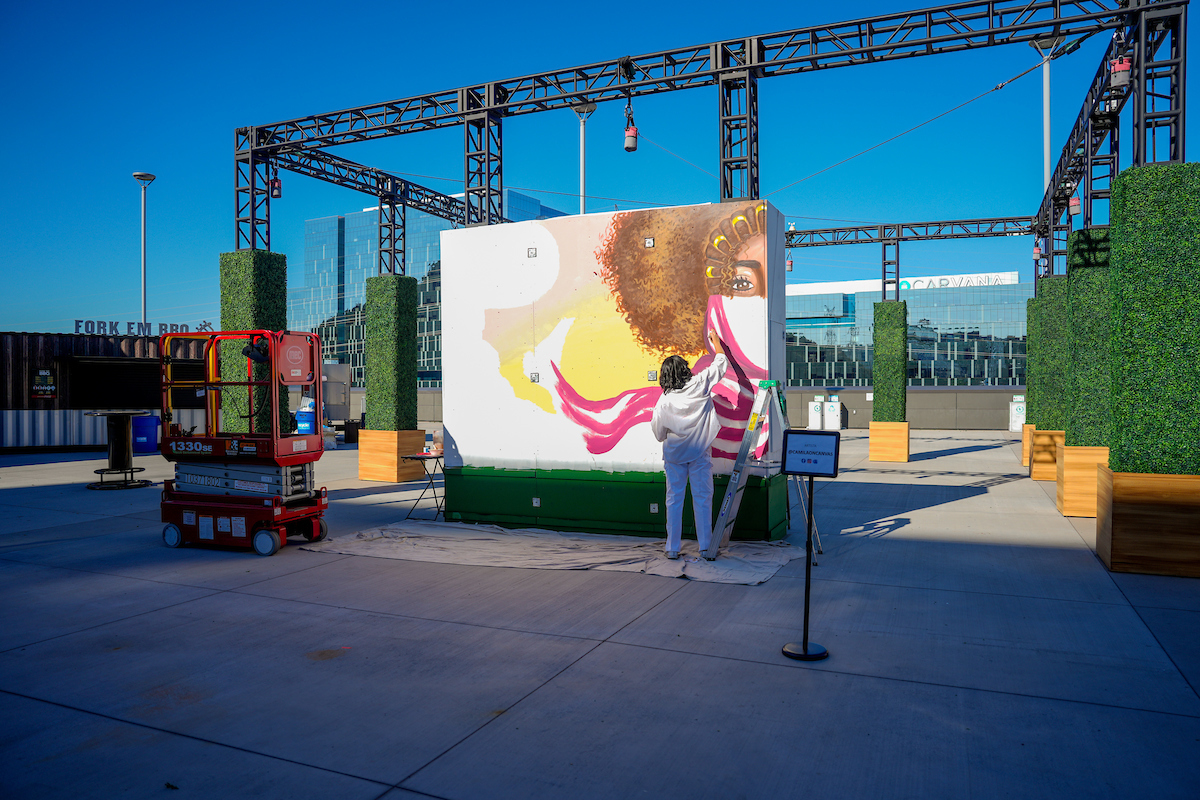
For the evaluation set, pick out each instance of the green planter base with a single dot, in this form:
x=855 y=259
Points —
x=602 y=502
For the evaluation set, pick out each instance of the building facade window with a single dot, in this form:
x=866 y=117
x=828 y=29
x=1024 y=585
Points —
x=341 y=252
x=965 y=330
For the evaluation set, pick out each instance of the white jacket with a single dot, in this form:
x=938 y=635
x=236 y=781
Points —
x=684 y=420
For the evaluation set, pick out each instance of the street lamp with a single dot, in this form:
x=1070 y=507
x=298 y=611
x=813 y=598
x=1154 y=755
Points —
x=1045 y=48
x=584 y=110
x=145 y=179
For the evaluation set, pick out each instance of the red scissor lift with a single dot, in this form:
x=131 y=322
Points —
x=242 y=489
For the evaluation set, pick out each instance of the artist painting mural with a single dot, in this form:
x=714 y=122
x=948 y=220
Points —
x=553 y=331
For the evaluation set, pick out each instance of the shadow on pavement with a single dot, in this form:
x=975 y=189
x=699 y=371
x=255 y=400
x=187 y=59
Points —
x=954 y=451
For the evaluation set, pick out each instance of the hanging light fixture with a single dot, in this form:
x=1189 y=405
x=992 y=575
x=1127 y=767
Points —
x=1074 y=206
x=275 y=184
x=1121 y=70
x=630 y=128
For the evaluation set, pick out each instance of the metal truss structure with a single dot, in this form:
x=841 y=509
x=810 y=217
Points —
x=890 y=236
x=1153 y=38
x=734 y=67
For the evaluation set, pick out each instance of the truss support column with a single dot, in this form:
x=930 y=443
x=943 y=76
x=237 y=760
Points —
x=391 y=232
x=739 y=136
x=891 y=267
x=251 y=193
x=1102 y=168
x=1158 y=85
x=483 y=174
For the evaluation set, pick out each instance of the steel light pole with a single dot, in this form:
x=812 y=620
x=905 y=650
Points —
x=145 y=179
x=1045 y=48
x=584 y=110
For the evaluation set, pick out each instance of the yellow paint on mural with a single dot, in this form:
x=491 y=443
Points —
x=513 y=371
x=599 y=359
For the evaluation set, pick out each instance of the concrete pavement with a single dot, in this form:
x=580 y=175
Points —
x=978 y=649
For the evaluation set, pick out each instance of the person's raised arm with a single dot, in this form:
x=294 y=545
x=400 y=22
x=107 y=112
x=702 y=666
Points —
x=715 y=370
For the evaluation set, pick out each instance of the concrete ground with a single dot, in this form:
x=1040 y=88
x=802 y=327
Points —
x=978 y=649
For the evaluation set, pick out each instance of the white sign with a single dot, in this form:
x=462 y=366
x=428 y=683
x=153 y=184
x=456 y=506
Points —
x=930 y=282
x=812 y=453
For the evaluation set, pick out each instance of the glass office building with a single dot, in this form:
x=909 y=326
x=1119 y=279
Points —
x=341 y=252
x=963 y=330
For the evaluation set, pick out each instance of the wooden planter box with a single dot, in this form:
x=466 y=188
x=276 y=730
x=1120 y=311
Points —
x=1026 y=443
x=380 y=452
x=1042 y=452
x=1076 y=470
x=1148 y=523
x=888 y=441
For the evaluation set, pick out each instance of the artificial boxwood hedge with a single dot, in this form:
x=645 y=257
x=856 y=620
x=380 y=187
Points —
x=1048 y=398
x=889 y=373
x=1155 y=350
x=1089 y=303
x=253 y=297
x=391 y=353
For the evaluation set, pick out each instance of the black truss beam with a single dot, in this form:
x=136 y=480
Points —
x=911 y=232
x=395 y=196
x=889 y=238
x=372 y=181
x=1090 y=157
x=943 y=29
x=735 y=66
x=252 y=203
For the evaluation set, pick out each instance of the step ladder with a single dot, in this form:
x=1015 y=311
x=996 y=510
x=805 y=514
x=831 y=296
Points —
x=767 y=400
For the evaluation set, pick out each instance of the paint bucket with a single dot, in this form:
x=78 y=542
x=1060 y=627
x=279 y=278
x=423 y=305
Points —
x=306 y=422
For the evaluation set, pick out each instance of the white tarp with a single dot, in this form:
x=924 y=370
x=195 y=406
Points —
x=492 y=546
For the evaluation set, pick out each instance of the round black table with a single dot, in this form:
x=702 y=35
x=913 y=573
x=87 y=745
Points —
x=120 y=451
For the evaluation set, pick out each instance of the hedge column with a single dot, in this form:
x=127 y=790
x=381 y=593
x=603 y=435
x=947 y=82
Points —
x=1155 y=347
x=253 y=297
x=1048 y=356
x=889 y=372
x=391 y=353
x=1089 y=303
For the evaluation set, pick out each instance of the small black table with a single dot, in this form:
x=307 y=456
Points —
x=120 y=451
x=432 y=463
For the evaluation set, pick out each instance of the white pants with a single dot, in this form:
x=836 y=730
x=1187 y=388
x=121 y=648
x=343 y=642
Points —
x=699 y=474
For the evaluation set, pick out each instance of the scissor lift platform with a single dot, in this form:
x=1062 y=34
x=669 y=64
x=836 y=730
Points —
x=249 y=488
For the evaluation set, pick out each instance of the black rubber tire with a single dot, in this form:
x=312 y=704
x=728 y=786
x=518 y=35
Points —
x=322 y=531
x=266 y=542
x=171 y=535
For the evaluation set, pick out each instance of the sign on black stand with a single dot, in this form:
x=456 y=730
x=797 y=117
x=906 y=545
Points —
x=809 y=454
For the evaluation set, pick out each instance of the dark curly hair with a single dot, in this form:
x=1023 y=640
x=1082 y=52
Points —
x=675 y=374
x=662 y=291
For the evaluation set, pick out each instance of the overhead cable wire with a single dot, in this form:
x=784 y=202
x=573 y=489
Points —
x=642 y=135
x=995 y=88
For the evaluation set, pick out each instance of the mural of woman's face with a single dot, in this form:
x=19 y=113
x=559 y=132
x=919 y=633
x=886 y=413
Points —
x=750 y=275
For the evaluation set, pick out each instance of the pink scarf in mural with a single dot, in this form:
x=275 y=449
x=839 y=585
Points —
x=605 y=422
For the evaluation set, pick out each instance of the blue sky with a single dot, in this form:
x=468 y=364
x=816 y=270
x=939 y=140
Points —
x=95 y=92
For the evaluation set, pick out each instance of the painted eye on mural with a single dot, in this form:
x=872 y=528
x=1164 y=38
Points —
x=747 y=279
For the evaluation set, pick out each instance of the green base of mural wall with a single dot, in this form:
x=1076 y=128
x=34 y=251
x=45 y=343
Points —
x=602 y=502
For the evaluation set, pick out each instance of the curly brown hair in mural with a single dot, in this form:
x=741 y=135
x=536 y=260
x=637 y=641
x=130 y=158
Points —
x=662 y=265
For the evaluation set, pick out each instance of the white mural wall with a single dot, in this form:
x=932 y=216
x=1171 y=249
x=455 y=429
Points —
x=553 y=331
